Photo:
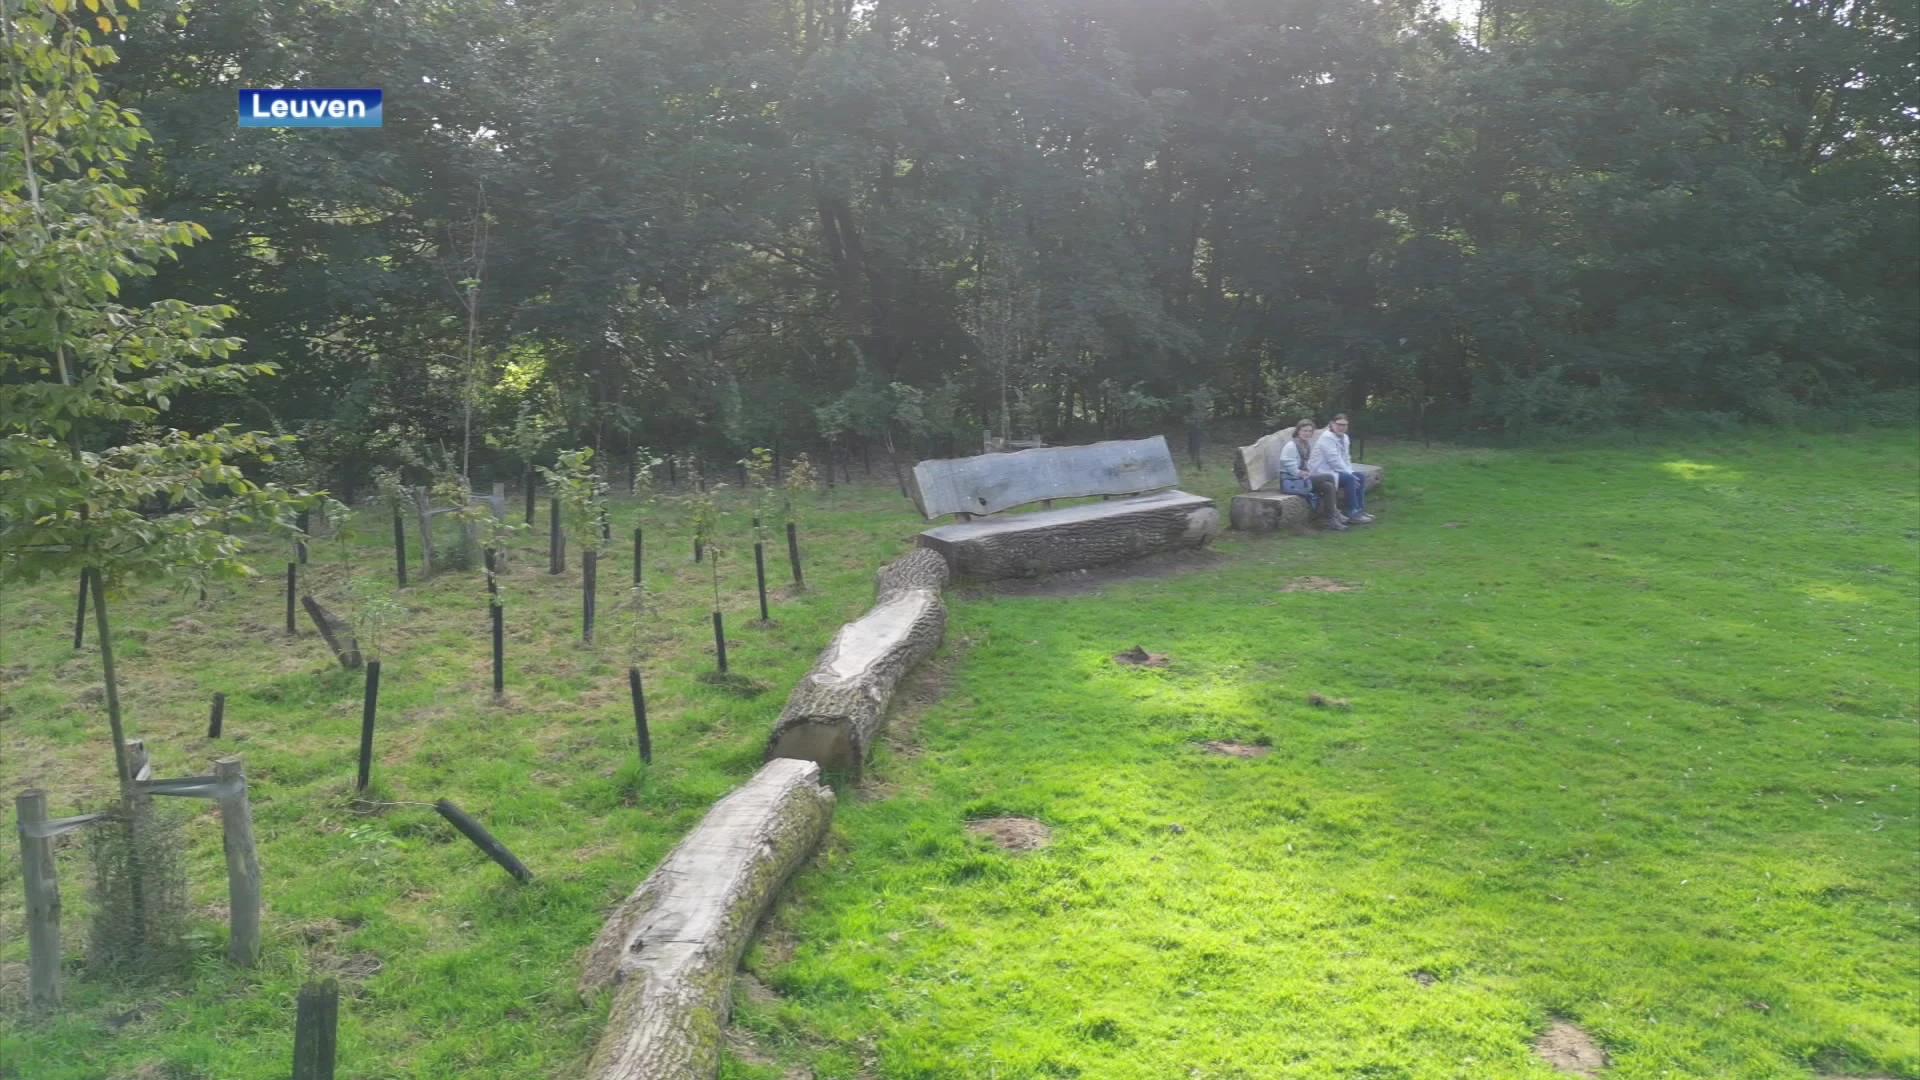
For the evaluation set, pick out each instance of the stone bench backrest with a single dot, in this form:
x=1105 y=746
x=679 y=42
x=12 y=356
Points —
x=991 y=483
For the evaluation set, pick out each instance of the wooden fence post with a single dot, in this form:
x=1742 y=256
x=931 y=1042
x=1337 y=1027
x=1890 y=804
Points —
x=219 y=715
x=317 y=1021
x=43 y=901
x=243 y=867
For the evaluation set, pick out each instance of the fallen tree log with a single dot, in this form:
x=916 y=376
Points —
x=1075 y=537
x=669 y=950
x=837 y=709
x=337 y=632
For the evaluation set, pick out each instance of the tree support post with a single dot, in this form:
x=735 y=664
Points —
x=243 y=865
x=43 y=900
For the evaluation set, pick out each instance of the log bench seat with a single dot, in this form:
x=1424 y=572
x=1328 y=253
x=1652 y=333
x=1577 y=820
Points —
x=986 y=544
x=1261 y=506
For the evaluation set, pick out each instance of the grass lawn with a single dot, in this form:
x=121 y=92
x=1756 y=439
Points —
x=1631 y=742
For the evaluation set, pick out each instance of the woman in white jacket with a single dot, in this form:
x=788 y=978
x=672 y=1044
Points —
x=1294 y=465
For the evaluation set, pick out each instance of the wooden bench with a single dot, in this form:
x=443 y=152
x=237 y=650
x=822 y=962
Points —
x=986 y=543
x=1262 y=507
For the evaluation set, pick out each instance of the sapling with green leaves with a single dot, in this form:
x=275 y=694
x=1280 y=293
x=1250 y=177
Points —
x=582 y=496
x=705 y=516
x=800 y=480
x=644 y=496
x=763 y=498
x=92 y=481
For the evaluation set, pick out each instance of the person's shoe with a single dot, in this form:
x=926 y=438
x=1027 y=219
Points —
x=1361 y=519
x=1335 y=526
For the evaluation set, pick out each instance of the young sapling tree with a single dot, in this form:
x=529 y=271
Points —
x=800 y=480
x=91 y=481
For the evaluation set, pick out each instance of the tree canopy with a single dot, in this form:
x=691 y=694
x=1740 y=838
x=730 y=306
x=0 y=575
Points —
x=736 y=223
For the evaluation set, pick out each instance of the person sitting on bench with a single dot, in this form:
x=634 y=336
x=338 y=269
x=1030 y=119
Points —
x=1330 y=456
x=1296 y=476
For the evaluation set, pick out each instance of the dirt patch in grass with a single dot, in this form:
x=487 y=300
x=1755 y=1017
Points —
x=1234 y=749
x=1012 y=833
x=1570 y=1050
x=1318 y=584
x=1423 y=977
x=1138 y=656
x=1093 y=579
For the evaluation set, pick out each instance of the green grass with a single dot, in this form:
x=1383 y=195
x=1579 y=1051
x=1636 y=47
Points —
x=1634 y=745
x=474 y=971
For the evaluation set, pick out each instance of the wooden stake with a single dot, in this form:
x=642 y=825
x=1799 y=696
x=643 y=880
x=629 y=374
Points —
x=720 y=643
x=639 y=550
x=793 y=555
x=640 y=715
x=367 y=708
x=556 y=540
x=318 y=1018
x=293 y=586
x=43 y=901
x=243 y=867
x=483 y=839
x=530 y=487
x=219 y=714
x=304 y=519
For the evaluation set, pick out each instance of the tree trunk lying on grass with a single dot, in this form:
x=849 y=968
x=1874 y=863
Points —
x=1076 y=537
x=336 y=631
x=837 y=709
x=669 y=950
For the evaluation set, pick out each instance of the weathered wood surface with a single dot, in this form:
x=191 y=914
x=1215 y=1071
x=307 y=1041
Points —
x=670 y=949
x=991 y=483
x=1075 y=537
x=837 y=710
x=336 y=631
x=1257 y=467
x=243 y=865
x=1268 y=511
x=43 y=899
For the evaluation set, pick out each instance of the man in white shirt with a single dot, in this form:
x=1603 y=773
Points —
x=1330 y=456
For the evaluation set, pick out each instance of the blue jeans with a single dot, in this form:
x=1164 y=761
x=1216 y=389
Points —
x=1355 y=487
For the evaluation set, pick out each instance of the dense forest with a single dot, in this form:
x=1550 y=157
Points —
x=812 y=224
